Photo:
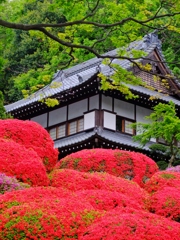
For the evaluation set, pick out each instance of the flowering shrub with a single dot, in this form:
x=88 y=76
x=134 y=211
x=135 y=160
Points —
x=24 y=164
x=166 y=202
x=74 y=181
x=174 y=169
x=163 y=179
x=126 y=224
x=52 y=219
x=32 y=194
x=129 y=165
x=32 y=136
x=8 y=184
x=107 y=200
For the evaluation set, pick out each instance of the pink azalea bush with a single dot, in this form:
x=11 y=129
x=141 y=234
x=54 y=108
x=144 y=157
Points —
x=8 y=184
x=75 y=181
x=162 y=179
x=174 y=169
x=32 y=136
x=129 y=165
x=166 y=202
x=126 y=224
x=23 y=163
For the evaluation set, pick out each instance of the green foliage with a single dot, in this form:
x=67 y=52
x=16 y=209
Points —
x=159 y=147
x=119 y=80
x=162 y=165
x=164 y=123
x=3 y=114
x=50 y=102
x=29 y=58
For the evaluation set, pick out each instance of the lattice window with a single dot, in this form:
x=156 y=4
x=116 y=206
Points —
x=52 y=133
x=58 y=132
x=61 y=131
x=72 y=128
x=76 y=126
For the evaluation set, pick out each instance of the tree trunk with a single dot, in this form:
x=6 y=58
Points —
x=171 y=160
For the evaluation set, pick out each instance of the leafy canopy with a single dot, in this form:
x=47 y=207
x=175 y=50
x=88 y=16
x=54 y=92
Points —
x=52 y=35
x=164 y=123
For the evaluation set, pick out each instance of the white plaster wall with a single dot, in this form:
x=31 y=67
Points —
x=41 y=119
x=89 y=120
x=124 y=109
x=110 y=120
x=57 y=116
x=77 y=109
x=141 y=112
x=106 y=103
x=94 y=102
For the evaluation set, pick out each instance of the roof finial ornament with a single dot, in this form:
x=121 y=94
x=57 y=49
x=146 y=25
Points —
x=151 y=38
x=59 y=76
x=98 y=68
x=80 y=78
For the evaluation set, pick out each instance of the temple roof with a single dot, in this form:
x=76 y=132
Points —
x=105 y=135
x=81 y=73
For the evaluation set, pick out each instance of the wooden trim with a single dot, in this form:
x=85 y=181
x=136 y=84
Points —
x=97 y=117
x=123 y=125
x=100 y=101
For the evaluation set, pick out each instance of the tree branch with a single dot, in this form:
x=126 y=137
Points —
x=39 y=26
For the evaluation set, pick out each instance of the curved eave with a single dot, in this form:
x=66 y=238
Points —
x=68 y=95
x=81 y=140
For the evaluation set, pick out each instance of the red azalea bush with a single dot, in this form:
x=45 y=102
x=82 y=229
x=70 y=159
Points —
x=166 y=202
x=52 y=219
x=126 y=224
x=33 y=136
x=23 y=163
x=107 y=200
x=74 y=181
x=32 y=194
x=162 y=179
x=129 y=165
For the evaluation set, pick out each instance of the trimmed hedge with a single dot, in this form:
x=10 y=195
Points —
x=130 y=165
x=166 y=202
x=75 y=181
x=32 y=136
x=162 y=179
x=126 y=224
x=63 y=218
x=23 y=163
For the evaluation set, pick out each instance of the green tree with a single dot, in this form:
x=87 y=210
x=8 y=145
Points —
x=165 y=124
x=3 y=114
x=54 y=34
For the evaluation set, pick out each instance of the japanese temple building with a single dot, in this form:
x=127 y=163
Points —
x=88 y=117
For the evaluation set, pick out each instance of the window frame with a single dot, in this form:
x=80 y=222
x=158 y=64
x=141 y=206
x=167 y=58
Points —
x=78 y=128
x=123 y=121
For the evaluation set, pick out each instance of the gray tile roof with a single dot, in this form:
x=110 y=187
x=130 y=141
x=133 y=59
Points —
x=115 y=137
x=75 y=139
x=75 y=75
x=156 y=95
